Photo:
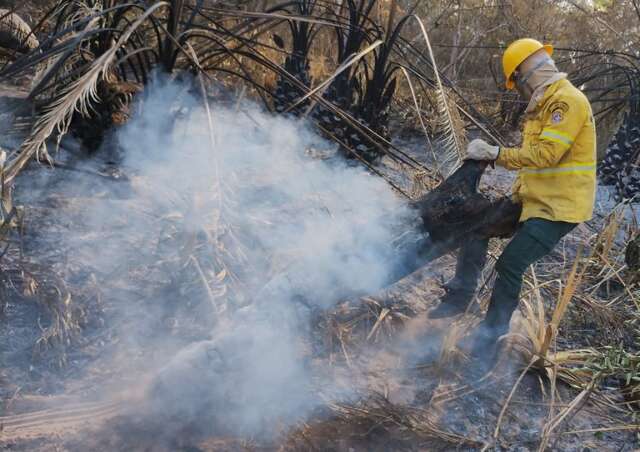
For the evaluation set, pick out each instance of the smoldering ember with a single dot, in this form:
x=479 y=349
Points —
x=361 y=225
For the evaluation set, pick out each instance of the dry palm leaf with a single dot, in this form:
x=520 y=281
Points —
x=448 y=124
x=76 y=97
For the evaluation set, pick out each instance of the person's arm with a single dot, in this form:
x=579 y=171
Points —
x=562 y=122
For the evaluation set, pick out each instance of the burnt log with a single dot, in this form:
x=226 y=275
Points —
x=456 y=212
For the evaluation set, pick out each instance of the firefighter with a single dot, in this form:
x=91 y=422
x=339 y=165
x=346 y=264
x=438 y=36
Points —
x=556 y=185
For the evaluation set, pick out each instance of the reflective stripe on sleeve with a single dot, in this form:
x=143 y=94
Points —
x=557 y=137
x=561 y=170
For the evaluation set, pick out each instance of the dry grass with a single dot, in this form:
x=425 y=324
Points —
x=377 y=423
x=583 y=368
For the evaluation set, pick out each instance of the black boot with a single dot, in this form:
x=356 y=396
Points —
x=483 y=348
x=471 y=259
x=454 y=302
x=484 y=343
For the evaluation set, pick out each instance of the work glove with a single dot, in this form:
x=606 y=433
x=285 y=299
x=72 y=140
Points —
x=481 y=150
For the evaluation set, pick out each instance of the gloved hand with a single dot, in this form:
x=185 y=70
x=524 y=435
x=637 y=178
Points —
x=481 y=150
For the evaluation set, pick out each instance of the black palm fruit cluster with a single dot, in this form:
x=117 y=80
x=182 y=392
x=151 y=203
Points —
x=358 y=142
x=376 y=121
x=350 y=133
x=288 y=92
x=621 y=165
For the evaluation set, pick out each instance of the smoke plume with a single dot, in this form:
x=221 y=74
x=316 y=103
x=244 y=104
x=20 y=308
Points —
x=238 y=226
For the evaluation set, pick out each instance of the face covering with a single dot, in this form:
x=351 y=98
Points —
x=537 y=80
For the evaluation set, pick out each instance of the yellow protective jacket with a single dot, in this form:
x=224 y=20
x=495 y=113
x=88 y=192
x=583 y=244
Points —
x=557 y=159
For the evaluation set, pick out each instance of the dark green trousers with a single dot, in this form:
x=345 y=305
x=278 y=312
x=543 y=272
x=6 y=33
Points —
x=534 y=239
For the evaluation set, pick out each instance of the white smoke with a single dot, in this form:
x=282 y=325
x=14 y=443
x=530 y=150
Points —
x=337 y=221
x=312 y=231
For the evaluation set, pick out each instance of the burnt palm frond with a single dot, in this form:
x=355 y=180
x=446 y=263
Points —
x=297 y=61
x=70 y=94
x=346 y=92
x=373 y=100
x=74 y=98
x=380 y=85
x=83 y=31
x=349 y=41
x=167 y=48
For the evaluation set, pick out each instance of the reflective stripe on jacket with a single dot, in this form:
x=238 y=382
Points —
x=557 y=159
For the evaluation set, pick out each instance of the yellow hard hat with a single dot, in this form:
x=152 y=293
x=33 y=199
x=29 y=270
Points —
x=517 y=52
